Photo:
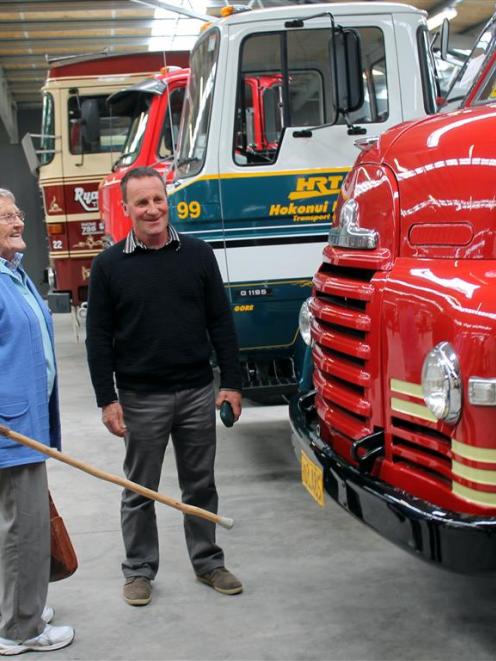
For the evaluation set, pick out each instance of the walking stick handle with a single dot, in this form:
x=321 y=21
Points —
x=192 y=510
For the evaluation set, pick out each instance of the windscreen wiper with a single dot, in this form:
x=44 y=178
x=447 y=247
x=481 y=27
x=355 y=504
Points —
x=188 y=160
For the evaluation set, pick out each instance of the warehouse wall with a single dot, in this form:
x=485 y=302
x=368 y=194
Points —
x=15 y=175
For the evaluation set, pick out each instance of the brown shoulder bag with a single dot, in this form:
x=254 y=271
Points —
x=64 y=561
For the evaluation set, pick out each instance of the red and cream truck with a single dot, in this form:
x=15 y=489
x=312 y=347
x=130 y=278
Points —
x=396 y=416
x=80 y=140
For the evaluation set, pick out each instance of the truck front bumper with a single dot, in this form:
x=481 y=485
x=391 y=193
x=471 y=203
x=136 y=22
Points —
x=458 y=542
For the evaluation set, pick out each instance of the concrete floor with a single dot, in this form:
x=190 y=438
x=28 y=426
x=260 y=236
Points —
x=318 y=584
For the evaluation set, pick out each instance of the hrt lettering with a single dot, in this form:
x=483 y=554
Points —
x=315 y=186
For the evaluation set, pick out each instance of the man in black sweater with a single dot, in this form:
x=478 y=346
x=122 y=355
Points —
x=156 y=307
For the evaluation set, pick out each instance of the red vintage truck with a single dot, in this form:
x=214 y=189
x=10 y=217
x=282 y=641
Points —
x=154 y=106
x=396 y=416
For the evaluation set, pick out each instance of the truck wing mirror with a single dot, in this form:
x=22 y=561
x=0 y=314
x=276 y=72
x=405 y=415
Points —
x=90 y=126
x=348 y=70
x=444 y=39
x=30 y=154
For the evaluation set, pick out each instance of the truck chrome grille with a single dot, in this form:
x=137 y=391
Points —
x=341 y=351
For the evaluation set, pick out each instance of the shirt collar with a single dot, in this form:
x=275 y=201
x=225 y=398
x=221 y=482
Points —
x=13 y=265
x=132 y=242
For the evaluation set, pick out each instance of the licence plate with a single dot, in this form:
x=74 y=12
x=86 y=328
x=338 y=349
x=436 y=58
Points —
x=312 y=477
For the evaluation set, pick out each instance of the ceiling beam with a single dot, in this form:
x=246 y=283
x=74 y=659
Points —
x=78 y=24
x=54 y=46
x=8 y=110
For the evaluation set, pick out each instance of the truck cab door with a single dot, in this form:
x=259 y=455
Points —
x=279 y=180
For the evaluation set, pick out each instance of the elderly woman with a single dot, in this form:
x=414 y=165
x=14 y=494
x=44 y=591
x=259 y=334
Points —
x=28 y=405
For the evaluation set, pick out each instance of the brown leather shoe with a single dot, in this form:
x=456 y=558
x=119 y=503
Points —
x=222 y=580
x=137 y=591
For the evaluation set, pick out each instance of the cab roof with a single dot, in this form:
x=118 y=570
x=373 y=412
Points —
x=336 y=9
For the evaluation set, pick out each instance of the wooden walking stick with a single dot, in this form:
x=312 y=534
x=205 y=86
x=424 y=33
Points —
x=223 y=521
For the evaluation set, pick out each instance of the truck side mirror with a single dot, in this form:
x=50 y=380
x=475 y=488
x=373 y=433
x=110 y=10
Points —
x=444 y=39
x=348 y=70
x=90 y=126
x=30 y=154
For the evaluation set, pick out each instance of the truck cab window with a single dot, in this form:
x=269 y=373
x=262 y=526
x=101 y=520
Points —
x=92 y=129
x=195 y=121
x=47 y=142
x=476 y=61
x=170 y=129
x=134 y=138
x=271 y=97
x=487 y=93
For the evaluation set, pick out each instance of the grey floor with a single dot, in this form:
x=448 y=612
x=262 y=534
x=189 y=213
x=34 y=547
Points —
x=318 y=584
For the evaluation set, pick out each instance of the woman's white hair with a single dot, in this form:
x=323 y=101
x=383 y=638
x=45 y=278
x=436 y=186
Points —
x=8 y=194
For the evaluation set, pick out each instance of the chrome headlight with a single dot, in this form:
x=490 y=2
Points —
x=304 y=322
x=442 y=383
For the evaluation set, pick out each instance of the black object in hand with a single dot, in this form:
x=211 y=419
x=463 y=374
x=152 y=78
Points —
x=226 y=414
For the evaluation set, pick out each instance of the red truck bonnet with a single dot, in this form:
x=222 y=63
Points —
x=445 y=167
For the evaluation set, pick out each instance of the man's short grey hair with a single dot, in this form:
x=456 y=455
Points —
x=8 y=194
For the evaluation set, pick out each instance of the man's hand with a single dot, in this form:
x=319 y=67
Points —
x=113 y=419
x=234 y=399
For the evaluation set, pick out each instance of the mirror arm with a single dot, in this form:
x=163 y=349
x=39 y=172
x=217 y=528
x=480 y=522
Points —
x=81 y=145
x=75 y=92
x=300 y=22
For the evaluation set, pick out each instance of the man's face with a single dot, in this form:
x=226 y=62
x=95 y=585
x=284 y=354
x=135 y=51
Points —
x=148 y=210
x=11 y=229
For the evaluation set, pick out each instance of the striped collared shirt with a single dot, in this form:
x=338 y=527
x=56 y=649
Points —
x=132 y=242
x=15 y=263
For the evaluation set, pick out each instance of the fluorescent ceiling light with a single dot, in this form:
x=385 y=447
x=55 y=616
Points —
x=175 y=31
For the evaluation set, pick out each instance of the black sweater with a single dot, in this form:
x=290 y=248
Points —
x=153 y=317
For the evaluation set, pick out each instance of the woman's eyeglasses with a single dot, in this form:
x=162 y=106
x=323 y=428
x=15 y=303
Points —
x=10 y=218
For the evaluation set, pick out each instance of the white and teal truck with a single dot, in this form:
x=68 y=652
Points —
x=275 y=101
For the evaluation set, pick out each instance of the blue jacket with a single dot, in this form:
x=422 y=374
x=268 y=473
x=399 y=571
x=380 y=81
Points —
x=24 y=405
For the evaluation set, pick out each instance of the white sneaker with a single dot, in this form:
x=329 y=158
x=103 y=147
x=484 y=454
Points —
x=47 y=615
x=52 y=638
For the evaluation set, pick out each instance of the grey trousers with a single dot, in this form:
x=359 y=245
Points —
x=188 y=417
x=24 y=550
